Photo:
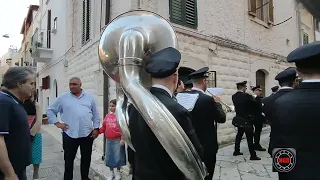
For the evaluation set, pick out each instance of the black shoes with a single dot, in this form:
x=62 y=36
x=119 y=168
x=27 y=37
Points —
x=237 y=153
x=258 y=147
x=255 y=158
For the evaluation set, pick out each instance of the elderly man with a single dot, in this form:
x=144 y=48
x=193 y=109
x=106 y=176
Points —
x=151 y=159
x=296 y=118
x=80 y=125
x=15 y=141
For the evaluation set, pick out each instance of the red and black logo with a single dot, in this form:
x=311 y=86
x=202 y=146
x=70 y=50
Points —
x=284 y=159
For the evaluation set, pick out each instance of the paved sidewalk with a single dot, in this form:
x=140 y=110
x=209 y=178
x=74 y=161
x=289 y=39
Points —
x=228 y=167
x=231 y=167
x=52 y=167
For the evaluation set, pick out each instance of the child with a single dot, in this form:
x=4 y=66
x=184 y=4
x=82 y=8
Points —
x=115 y=149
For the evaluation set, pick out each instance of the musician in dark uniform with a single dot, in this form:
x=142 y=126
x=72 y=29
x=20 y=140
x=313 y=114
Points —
x=151 y=159
x=205 y=113
x=244 y=104
x=287 y=81
x=188 y=85
x=180 y=87
x=274 y=89
x=259 y=118
x=297 y=117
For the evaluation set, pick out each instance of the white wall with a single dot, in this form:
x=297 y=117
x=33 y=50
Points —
x=55 y=68
x=317 y=35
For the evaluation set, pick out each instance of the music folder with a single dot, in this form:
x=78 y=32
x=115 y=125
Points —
x=187 y=100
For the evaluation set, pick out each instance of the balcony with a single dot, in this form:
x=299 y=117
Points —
x=313 y=7
x=38 y=51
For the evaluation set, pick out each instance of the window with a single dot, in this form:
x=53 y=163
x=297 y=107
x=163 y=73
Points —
x=105 y=13
x=212 y=79
x=46 y=82
x=262 y=10
x=305 y=38
x=316 y=25
x=86 y=10
x=184 y=12
x=49 y=30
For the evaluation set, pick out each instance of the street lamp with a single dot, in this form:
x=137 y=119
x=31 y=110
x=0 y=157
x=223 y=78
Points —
x=6 y=36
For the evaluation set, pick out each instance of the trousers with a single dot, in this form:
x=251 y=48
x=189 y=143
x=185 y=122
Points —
x=210 y=168
x=249 y=134
x=70 y=147
x=257 y=132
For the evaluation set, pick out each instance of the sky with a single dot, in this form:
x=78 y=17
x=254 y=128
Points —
x=12 y=14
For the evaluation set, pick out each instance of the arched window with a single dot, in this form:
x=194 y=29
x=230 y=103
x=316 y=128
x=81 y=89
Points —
x=261 y=80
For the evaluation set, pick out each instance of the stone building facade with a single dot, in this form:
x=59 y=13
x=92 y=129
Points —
x=238 y=41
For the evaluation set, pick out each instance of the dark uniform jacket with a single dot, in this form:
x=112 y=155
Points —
x=257 y=110
x=296 y=125
x=151 y=159
x=205 y=112
x=268 y=102
x=268 y=106
x=244 y=104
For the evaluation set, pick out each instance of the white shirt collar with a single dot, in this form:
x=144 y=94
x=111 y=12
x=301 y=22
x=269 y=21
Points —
x=198 y=89
x=162 y=87
x=311 y=80
x=285 y=87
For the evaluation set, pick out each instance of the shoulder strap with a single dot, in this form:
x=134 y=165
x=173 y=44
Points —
x=33 y=122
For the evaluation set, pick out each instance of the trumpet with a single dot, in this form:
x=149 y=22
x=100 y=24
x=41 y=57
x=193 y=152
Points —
x=228 y=108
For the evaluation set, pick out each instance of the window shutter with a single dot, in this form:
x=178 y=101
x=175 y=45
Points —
x=107 y=13
x=253 y=7
x=184 y=12
x=176 y=13
x=83 y=21
x=191 y=13
x=88 y=11
x=271 y=17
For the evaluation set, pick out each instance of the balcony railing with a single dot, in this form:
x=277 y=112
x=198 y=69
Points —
x=40 y=52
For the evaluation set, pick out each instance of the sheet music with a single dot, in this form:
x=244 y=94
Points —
x=214 y=91
x=187 y=100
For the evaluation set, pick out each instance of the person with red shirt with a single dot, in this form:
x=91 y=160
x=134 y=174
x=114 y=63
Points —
x=115 y=149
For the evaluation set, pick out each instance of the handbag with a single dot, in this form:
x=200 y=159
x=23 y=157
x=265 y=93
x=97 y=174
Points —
x=241 y=122
x=32 y=120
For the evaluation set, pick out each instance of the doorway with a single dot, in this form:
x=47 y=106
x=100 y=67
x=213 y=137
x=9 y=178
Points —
x=261 y=80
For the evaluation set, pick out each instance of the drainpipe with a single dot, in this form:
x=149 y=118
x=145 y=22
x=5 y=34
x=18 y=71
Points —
x=299 y=22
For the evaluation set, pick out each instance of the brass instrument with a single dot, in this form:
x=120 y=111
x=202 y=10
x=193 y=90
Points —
x=124 y=47
x=228 y=108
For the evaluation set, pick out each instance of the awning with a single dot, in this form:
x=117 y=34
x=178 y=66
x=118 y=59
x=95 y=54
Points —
x=313 y=6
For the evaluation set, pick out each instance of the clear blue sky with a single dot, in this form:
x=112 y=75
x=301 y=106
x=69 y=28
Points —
x=12 y=14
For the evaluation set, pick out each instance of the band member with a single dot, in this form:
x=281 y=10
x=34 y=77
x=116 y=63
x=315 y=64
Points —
x=275 y=89
x=259 y=119
x=205 y=113
x=296 y=124
x=151 y=159
x=188 y=85
x=180 y=86
x=287 y=81
x=244 y=104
